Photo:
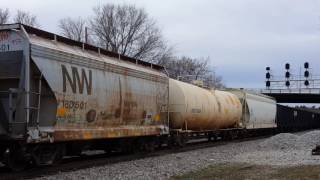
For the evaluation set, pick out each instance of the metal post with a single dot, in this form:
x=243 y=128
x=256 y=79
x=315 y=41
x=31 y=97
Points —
x=299 y=80
x=27 y=87
x=86 y=34
x=186 y=125
x=214 y=78
x=10 y=107
x=168 y=104
x=39 y=100
x=27 y=51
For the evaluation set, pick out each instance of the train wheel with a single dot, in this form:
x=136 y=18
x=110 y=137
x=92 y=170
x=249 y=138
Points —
x=60 y=153
x=234 y=135
x=180 y=140
x=15 y=159
x=211 y=137
x=150 y=145
x=48 y=154
x=129 y=146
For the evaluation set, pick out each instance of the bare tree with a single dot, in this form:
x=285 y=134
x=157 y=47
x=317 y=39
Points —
x=189 y=69
x=129 y=31
x=186 y=66
x=26 y=18
x=4 y=16
x=213 y=80
x=73 y=28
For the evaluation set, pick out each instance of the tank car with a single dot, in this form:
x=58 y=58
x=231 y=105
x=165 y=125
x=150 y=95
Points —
x=197 y=109
x=196 y=112
x=56 y=90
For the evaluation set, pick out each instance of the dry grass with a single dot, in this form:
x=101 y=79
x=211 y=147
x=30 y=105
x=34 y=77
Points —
x=238 y=171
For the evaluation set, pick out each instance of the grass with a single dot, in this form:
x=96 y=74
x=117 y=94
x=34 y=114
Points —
x=240 y=171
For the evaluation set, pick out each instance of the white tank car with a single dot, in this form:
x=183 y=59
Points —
x=195 y=108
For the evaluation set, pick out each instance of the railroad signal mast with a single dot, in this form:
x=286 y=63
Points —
x=290 y=82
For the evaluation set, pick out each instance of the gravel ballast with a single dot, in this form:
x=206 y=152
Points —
x=283 y=149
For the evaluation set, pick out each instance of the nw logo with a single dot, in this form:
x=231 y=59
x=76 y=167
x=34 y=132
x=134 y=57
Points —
x=77 y=80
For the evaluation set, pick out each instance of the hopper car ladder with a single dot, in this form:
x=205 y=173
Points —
x=15 y=126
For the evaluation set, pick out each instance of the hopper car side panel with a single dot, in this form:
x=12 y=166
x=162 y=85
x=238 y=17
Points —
x=66 y=93
x=57 y=98
x=102 y=102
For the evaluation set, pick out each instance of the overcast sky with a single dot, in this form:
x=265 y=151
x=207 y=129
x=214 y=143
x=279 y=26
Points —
x=241 y=37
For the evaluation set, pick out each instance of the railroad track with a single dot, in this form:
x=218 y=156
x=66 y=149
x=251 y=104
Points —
x=76 y=163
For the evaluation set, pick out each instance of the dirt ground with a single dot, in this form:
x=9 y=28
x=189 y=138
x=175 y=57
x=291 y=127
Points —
x=241 y=171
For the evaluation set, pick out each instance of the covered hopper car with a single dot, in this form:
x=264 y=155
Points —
x=259 y=111
x=55 y=90
x=59 y=97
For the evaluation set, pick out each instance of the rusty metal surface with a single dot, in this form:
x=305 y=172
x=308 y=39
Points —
x=99 y=96
x=195 y=108
x=88 y=93
x=106 y=132
x=108 y=104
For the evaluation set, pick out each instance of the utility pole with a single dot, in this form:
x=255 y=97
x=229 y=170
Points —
x=86 y=34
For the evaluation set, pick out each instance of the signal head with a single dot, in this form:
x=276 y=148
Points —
x=287 y=66
x=287 y=74
x=268 y=84
x=268 y=75
x=287 y=83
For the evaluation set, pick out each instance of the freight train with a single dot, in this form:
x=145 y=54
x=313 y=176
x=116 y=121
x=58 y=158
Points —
x=59 y=97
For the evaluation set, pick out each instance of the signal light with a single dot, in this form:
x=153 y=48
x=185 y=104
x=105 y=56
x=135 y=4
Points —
x=306 y=74
x=268 y=75
x=268 y=68
x=306 y=65
x=287 y=74
x=287 y=66
x=287 y=83
x=306 y=83
x=268 y=84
